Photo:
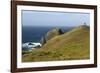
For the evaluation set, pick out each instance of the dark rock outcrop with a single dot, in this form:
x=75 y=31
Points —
x=43 y=40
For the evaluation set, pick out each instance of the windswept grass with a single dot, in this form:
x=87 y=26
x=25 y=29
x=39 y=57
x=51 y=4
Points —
x=72 y=45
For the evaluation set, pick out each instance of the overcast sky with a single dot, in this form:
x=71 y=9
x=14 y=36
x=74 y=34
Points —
x=49 y=18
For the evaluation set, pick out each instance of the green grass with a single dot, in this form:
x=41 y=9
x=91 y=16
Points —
x=72 y=45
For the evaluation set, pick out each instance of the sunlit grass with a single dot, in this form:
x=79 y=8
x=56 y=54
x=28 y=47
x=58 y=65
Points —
x=72 y=45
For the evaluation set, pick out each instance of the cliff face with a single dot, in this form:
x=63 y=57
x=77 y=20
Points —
x=43 y=40
x=50 y=34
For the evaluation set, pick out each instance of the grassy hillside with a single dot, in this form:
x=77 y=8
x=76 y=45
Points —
x=53 y=33
x=72 y=45
x=50 y=34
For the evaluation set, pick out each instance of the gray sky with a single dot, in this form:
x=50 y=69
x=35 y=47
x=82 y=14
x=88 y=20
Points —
x=48 y=18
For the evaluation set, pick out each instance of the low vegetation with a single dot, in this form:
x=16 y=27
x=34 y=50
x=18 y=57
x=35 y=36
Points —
x=72 y=45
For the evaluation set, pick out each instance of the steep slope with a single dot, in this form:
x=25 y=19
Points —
x=79 y=34
x=72 y=45
x=51 y=34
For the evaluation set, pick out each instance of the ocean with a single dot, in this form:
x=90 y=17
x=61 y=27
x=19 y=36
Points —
x=34 y=33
